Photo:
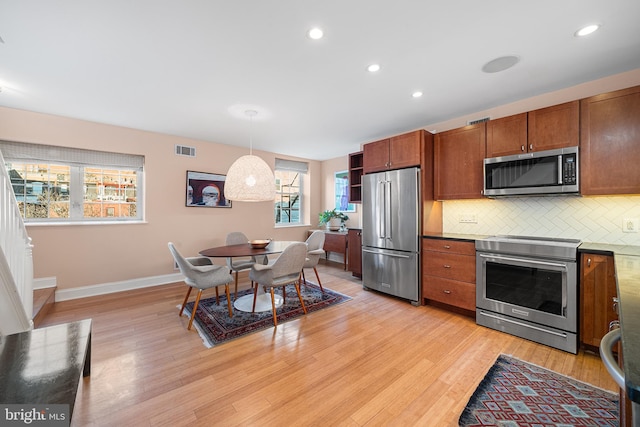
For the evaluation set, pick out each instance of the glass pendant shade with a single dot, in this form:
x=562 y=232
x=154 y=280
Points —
x=250 y=179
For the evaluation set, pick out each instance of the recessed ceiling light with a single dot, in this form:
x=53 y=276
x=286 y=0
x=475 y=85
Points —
x=315 y=33
x=373 y=68
x=417 y=94
x=585 y=31
x=500 y=64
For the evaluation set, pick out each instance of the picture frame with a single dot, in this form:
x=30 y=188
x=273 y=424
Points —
x=205 y=190
x=341 y=183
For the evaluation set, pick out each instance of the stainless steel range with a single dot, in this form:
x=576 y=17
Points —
x=528 y=287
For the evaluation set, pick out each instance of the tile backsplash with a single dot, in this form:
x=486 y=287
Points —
x=590 y=219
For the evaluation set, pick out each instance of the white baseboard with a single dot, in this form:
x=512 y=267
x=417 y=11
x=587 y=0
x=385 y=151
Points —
x=109 y=288
x=44 y=283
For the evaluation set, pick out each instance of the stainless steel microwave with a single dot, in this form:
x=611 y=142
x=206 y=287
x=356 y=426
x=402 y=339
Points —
x=542 y=172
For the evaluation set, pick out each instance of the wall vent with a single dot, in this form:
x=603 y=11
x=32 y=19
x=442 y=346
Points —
x=183 y=150
x=475 y=122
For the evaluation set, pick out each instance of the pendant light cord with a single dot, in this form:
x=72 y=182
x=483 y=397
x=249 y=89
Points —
x=251 y=114
x=251 y=135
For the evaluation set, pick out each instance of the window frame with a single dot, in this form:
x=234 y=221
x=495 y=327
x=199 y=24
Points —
x=77 y=160
x=301 y=170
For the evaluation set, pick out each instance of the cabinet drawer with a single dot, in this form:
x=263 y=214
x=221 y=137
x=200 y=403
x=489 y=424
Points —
x=452 y=292
x=335 y=242
x=450 y=266
x=453 y=246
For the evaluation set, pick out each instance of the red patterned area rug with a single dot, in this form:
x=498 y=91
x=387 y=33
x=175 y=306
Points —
x=518 y=394
x=215 y=326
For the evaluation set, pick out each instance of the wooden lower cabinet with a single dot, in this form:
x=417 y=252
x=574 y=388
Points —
x=597 y=291
x=449 y=272
x=354 y=247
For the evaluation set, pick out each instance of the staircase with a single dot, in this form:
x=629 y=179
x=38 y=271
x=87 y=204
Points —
x=16 y=263
x=43 y=300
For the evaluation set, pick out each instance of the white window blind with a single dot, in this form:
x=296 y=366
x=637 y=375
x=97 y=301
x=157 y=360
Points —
x=52 y=154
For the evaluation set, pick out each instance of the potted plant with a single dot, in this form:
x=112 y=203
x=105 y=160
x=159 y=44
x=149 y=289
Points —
x=333 y=219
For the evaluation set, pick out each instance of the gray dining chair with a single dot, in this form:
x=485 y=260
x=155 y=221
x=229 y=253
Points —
x=284 y=270
x=237 y=265
x=315 y=243
x=201 y=273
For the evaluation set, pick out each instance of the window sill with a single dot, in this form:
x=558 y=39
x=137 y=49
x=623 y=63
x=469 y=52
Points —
x=291 y=225
x=68 y=223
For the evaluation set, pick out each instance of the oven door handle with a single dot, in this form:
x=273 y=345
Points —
x=528 y=261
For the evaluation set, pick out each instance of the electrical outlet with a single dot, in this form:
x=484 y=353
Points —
x=468 y=218
x=630 y=225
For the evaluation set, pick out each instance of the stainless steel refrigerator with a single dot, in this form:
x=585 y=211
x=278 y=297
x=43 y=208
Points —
x=390 y=233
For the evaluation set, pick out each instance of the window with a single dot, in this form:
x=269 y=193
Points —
x=289 y=176
x=58 y=184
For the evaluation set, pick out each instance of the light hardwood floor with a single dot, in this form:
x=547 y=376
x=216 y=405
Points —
x=374 y=360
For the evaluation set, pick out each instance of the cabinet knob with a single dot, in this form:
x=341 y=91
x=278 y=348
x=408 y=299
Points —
x=588 y=262
x=522 y=148
x=615 y=324
x=447 y=246
x=530 y=146
x=446 y=266
x=446 y=291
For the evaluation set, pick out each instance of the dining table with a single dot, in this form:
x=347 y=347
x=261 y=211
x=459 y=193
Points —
x=245 y=303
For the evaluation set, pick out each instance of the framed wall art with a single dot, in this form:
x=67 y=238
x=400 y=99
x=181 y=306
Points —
x=206 y=190
x=341 y=181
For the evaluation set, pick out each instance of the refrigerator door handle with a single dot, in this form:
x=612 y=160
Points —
x=387 y=211
x=382 y=225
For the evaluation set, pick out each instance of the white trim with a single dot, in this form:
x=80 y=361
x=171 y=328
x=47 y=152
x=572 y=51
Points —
x=44 y=283
x=109 y=288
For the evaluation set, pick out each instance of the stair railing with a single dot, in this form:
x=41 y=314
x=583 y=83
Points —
x=16 y=262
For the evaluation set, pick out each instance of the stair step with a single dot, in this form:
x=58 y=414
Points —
x=43 y=300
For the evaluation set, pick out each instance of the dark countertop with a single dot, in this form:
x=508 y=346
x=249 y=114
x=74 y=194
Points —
x=455 y=236
x=607 y=249
x=628 y=282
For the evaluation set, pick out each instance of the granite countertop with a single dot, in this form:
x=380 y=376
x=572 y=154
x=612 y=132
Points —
x=455 y=236
x=628 y=282
x=609 y=249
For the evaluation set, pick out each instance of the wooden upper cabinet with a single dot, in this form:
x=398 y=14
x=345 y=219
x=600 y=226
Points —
x=554 y=127
x=397 y=152
x=376 y=156
x=458 y=163
x=355 y=177
x=507 y=136
x=405 y=149
x=610 y=143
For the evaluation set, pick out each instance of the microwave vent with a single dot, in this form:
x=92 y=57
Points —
x=183 y=150
x=475 y=122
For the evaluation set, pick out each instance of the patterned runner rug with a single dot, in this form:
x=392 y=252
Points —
x=215 y=326
x=515 y=393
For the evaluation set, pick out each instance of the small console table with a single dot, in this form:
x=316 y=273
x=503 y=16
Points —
x=43 y=366
x=335 y=241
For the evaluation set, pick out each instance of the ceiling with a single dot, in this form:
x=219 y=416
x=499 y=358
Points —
x=191 y=68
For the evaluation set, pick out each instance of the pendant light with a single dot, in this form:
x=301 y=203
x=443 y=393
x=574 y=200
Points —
x=249 y=178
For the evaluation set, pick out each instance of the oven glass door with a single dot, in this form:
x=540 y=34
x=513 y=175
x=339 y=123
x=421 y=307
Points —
x=533 y=289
